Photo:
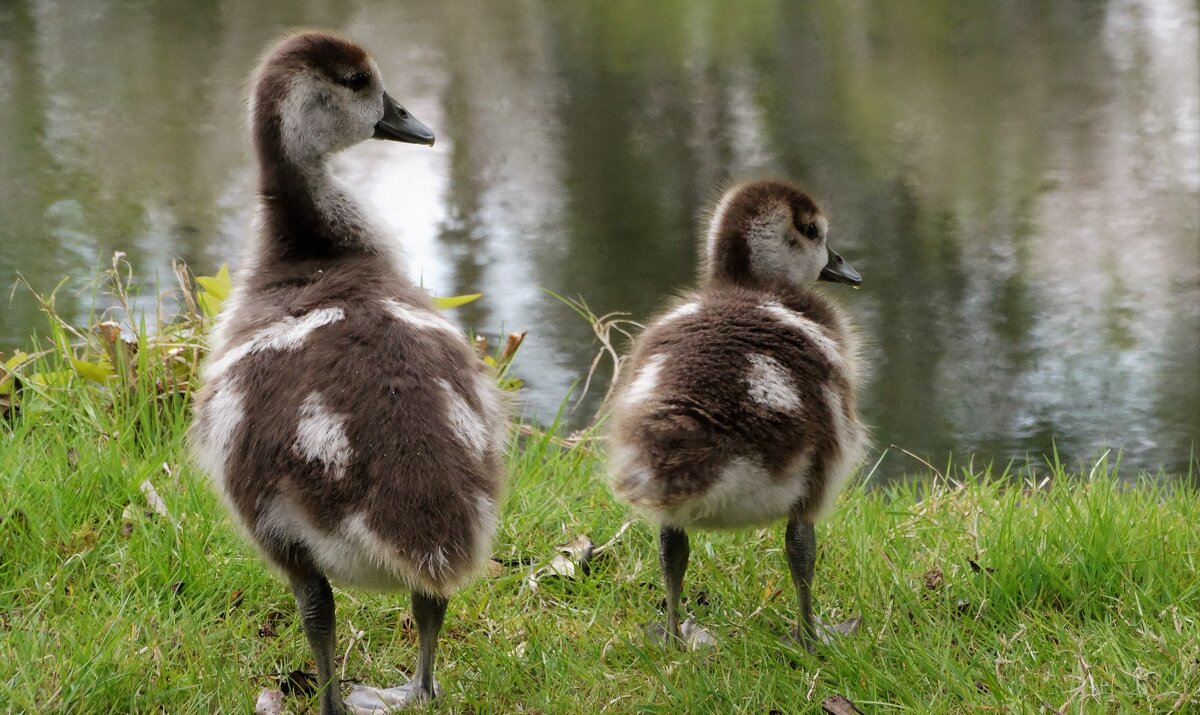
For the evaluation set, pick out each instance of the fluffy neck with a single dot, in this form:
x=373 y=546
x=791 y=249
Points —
x=729 y=261
x=305 y=214
x=738 y=230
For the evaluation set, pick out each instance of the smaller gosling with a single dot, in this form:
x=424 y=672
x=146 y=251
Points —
x=737 y=407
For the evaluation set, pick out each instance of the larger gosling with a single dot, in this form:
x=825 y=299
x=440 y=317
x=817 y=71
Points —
x=738 y=403
x=350 y=428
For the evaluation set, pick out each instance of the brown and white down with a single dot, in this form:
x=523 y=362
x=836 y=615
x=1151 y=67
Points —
x=351 y=430
x=737 y=406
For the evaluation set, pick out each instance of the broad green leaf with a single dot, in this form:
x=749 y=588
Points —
x=217 y=286
x=54 y=378
x=7 y=385
x=94 y=371
x=210 y=305
x=453 y=301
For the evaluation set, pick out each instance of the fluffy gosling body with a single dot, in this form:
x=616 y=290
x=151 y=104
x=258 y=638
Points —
x=351 y=430
x=737 y=407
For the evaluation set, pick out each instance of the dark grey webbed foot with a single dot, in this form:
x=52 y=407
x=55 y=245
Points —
x=692 y=636
x=695 y=636
x=428 y=612
x=365 y=700
x=657 y=634
x=798 y=637
x=827 y=633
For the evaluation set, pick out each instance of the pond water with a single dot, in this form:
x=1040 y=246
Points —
x=1017 y=181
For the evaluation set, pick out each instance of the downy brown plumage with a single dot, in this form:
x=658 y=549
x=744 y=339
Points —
x=349 y=426
x=737 y=406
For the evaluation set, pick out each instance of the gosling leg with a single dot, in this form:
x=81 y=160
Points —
x=673 y=553
x=429 y=612
x=800 y=544
x=314 y=599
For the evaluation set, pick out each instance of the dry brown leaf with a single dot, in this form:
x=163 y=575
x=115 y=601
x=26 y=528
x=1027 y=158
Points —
x=934 y=578
x=511 y=345
x=839 y=705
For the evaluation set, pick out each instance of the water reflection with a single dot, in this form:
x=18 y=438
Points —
x=1018 y=182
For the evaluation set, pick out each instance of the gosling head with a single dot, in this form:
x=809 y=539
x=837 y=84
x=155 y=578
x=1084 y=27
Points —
x=771 y=233
x=316 y=94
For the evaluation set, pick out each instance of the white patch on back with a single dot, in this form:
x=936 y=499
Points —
x=645 y=382
x=810 y=329
x=468 y=426
x=321 y=437
x=770 y=385
x=420 y=318
x=287 y=334
x=680 y=312
x=219 y=418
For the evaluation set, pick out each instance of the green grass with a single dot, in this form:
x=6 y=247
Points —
x=1077 y=592
x=1087 y=594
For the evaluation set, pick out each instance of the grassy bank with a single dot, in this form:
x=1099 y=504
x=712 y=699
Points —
x=1081 y=593
x=124 y=588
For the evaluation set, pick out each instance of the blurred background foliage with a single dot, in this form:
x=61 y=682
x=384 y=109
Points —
x=1018 y=181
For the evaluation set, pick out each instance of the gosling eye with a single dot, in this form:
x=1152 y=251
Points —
x=810 y=231
x=357 y=81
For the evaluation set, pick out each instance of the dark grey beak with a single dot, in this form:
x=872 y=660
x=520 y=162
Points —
x=401 y=126
x=838 y=271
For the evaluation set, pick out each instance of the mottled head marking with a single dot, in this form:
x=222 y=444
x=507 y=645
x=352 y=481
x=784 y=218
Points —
x=314 y=94
x=766 y=232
